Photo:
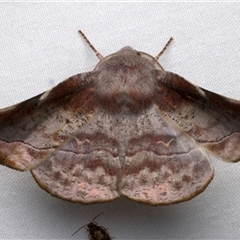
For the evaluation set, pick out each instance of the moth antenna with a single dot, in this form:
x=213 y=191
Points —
x=163 y=50
x=87 y=223
x=99 y=55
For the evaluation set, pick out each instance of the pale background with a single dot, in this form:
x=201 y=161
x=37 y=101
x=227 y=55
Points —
x=40 y=47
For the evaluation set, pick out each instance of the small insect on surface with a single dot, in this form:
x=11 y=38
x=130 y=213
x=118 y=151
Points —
x=126 y=129
x=95 y=232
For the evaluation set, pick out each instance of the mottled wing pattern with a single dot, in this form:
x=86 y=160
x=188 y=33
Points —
x=86 y=167
x=123 y=129
x=163 y=165
x=34 y=129
x=211 y=119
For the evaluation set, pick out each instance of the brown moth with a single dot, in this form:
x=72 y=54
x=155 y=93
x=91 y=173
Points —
x=96 y=232
x=127 y=128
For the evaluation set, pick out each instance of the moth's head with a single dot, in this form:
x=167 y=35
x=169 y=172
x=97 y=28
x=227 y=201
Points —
x=129 y=57
x=126 y=81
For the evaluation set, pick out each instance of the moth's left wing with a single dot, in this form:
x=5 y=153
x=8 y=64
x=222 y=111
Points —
x=33 y=129
x=162 y=165
x=86 y=167
x=211 y=119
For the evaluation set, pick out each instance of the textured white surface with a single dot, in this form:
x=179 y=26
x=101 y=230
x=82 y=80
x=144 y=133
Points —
x=40 y=47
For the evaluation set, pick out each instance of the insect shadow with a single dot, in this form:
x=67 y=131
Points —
x=95 y=232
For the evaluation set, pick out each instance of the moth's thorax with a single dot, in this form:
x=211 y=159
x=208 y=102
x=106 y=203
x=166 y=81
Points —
x=126 y=80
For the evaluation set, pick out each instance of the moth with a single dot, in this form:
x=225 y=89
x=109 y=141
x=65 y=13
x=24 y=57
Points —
x=128 y=128
x=96 y=232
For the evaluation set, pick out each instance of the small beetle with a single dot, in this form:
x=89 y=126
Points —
x=96 y=232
